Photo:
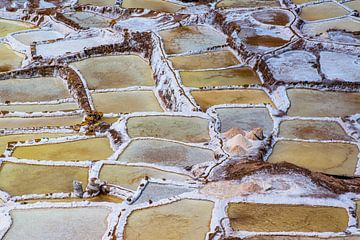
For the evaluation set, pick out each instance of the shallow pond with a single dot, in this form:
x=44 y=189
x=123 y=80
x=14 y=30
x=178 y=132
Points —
x=191 y=38
x=115 y=71
x=247 y=3
x=165 y=153
x=272 y=17
x=312 y=129
x=28 y=38
x=9 y=59
x=33 y=89
x=9 y=26
x=206 y=99
x=37 y=122
x=245 y=118
x=184 y=219
x=322 y=11
x=218 y=59
x=130 y=176
x=4 y=140
x=58 y=223
x=226 y=77
x=20 y=179
x=330 y=158
x=287 y=218
x=313 y=103
x=125 y=102
x=179 y=128
x=155 y=5
x=88 y=19
x=92 y=149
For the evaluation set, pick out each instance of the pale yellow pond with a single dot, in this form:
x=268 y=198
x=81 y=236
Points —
x=322 y=11
x=9 y=26
x=346 y=23
x=125 y=102
x=130 y=176
x=312 y=129
x=184 y=219
x=4 y=140
x=206 y=99
x=247 y=3
x=165 y=153
x=226 y=77
x=98 y=198
x=286 y=218
x=179 y=128
x=115 y=71
x=313 y=103
x=354 y=5
x=331 y=158
x=9 y=59
x=191 y=38
x=20 y=179
x=92 y=149
x=66 y=107
x=218 y=59
x=37 y=122
x=58 y=223
x=155 y=5
x=33 y=89
x=97 y=2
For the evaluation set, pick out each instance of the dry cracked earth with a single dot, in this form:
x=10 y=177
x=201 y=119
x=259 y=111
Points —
x=179 y=119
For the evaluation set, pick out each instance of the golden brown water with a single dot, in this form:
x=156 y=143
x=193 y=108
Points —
x=130 y=176
x=16 y=122
x=4 y=140
x=155 y=5
x=191 y=38
x=331 y=158
x=125 y=102
x=217 y=59
x=115 y=71
x=9 y=59
x=33 y=89
x=165 y=153
x=9 y=26
x=206 y=99
x=311 y=129
x=233 y=76
x=313 y=103
x=21 y=179
x=273 y=17
x=92 y=149
x=59 y=223
x=188 y=129
x=184 y=219
x=265 y=41
x=286 y=218
x=322 y=11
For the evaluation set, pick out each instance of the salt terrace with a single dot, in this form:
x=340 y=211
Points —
x=179 y=119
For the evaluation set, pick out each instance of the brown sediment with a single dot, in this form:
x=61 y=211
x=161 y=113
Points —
x=238 y=170
x=60 y=17
x=76 y=86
